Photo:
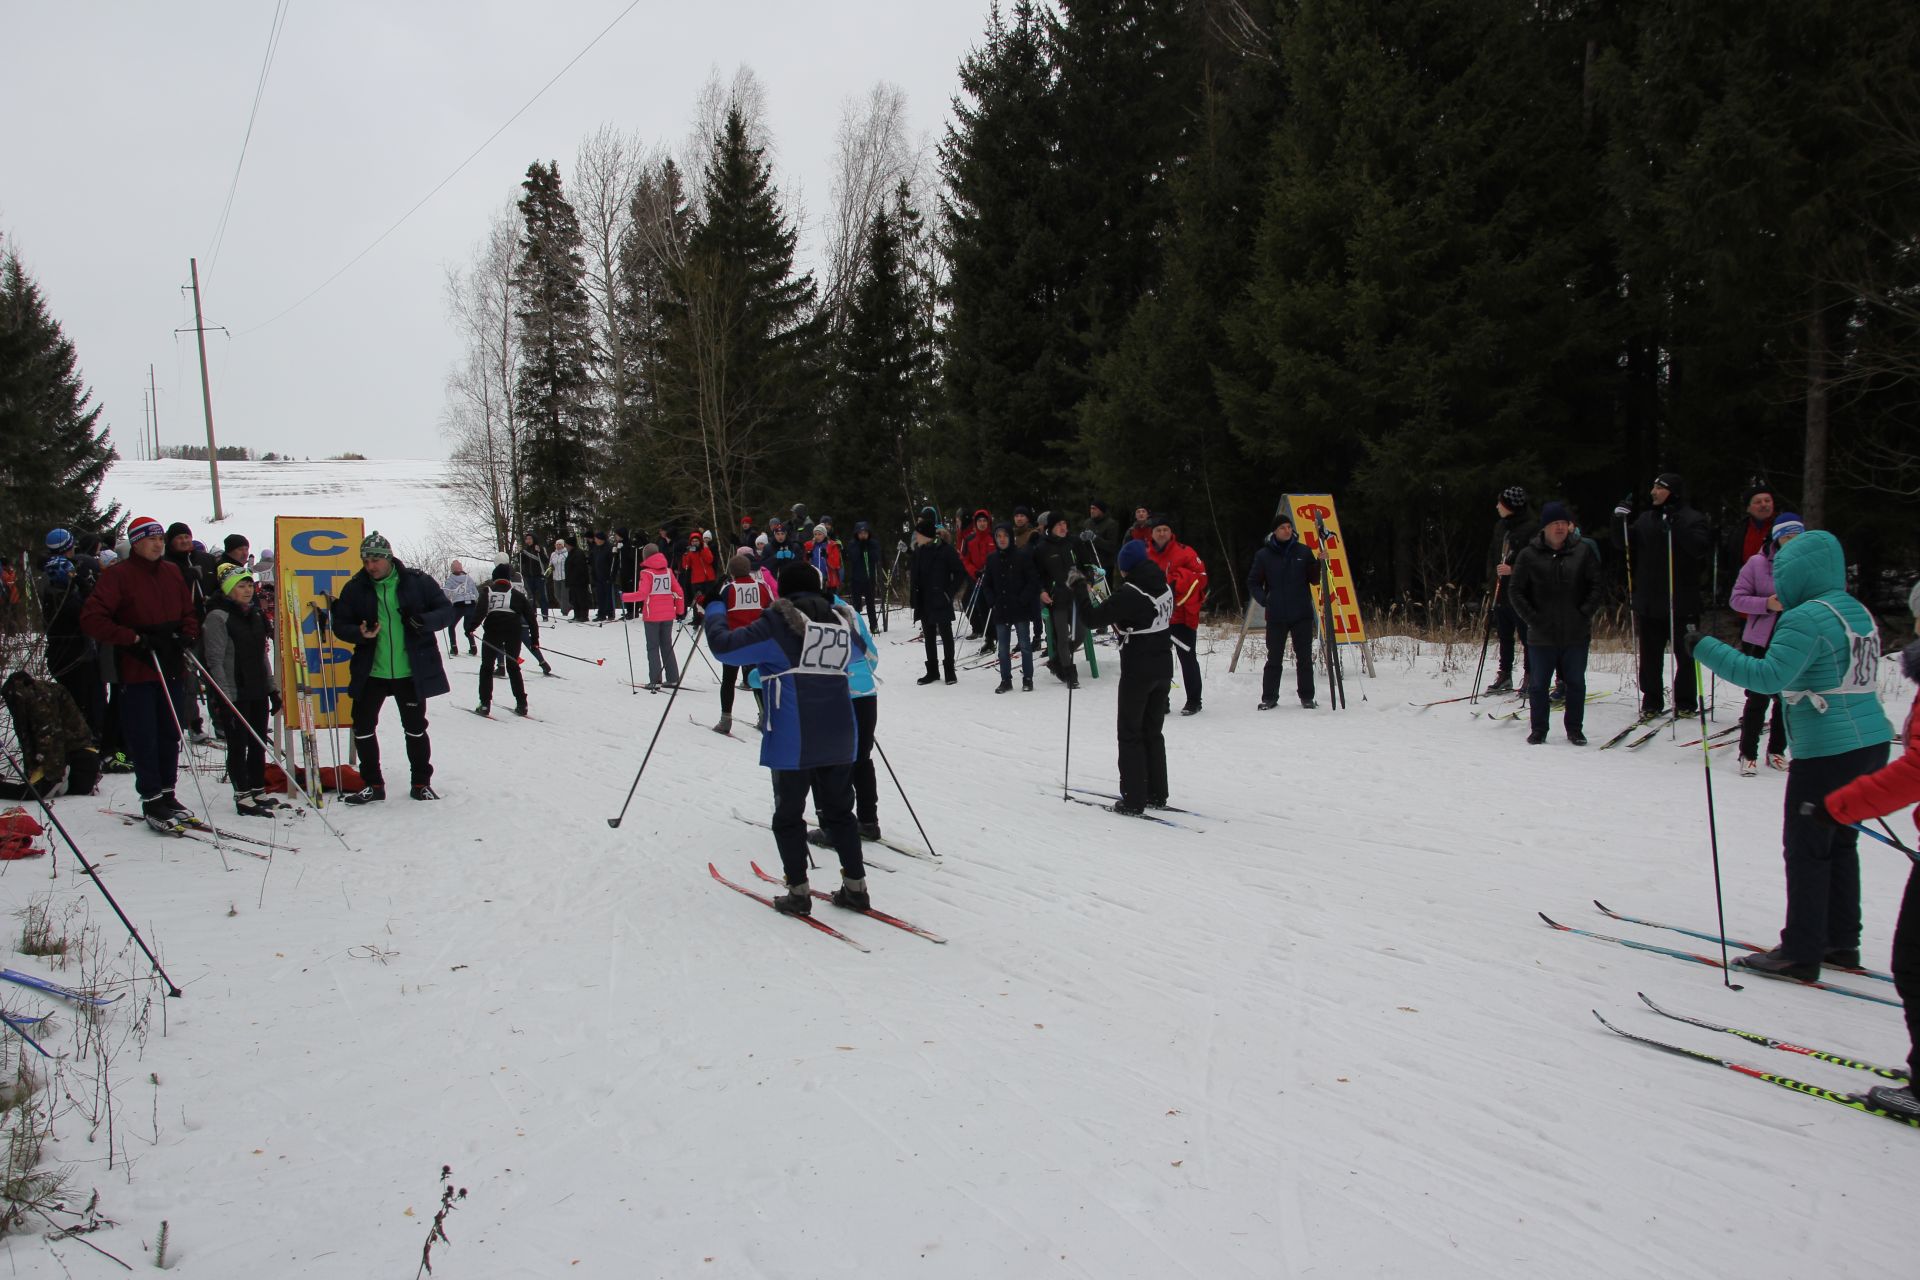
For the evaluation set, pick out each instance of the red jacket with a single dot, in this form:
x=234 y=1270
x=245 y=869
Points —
x=134 y=593
x=976 y=544
x=698 y=564
x=1185 y=575
x=1888 y=789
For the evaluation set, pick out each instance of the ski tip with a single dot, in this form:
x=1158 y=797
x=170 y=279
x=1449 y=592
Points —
x=1602 y=906
x=1555 y=923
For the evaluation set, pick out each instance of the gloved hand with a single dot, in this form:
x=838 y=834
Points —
x=162 y=643
x=1075 y=578
x=1688 y=639
x=1817 y=810
x=412 y=623
x=1624 y=510
x=273 y=702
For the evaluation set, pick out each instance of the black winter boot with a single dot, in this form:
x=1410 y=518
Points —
x=1775 y=964
x=852 y=894
x=796 y=901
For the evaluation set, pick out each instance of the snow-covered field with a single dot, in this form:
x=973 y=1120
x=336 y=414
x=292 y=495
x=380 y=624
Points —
x=1322 y=1034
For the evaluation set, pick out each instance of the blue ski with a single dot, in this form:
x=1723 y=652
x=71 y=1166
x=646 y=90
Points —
x=56 y=989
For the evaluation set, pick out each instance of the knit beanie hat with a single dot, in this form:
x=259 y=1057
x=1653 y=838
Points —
x=236 y=540
x=59 y=540
x=502 y=574
x=231 y=576
x=1555 y=511
x=925 y=529
x=1786 y=525
x=1515 y=497
x=374 y=544
x=143 y=527
x=797 y=576
x=1130 y=556
x=177 y=528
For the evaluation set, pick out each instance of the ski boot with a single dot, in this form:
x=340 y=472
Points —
x=368 y=794
x=520 y=708
x=483 y=709
x=869 y=830
x=1775 y=964
x=725 y=725
x=1902 y=1102
x=852 y=894
x=1005 y=686
x=247 y=805
x=421 y=791
x=1502 y=683
x=796 y=901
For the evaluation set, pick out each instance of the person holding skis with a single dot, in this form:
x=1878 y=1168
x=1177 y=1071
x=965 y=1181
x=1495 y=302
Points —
x=1555 y=589
x=1140 y=611
x=143 y=606
x=1669 y=544
x=803 y=646
x=1281 y=580
x=503 y=616
x=1512 y=530
x=1753 y=598
x=1876 y=795
x=1824 y=659
x=661 y=603
x=936 y=574
x=462 y=593
x=235 y=639
x=1013 y=586
x=390 y=614
x=1105 y=530
x=1187 y=577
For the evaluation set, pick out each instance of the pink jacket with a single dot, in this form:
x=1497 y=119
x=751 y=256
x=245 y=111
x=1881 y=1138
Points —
x=660 y=590
x=1749 y=599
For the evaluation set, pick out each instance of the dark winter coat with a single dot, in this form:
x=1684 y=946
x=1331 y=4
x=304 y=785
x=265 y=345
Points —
x=499 y=615
x=863 y=561
x=1647 y=544
x=1282 y=579
x=236 y=643
x=1510 y=533
x=1139 y=610
x=425 y=611
x=533 y=565
x=67 y=645
x=936 y=574
x=1556 y=593
x=135 y=595
x=53 y=736
x=1012 y=587
x=600 y=564
x=1106 y=538
x=809 y=716
x=626 y=567
x=1054 y=557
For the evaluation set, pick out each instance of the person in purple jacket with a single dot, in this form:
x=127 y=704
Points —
x=1754 y=599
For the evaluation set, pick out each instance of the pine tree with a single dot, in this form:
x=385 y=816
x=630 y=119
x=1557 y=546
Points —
x=883 y=372
x=656 y=241
x=1009 y=358
x=54 y=454
x=741 y=344
x=555 y=393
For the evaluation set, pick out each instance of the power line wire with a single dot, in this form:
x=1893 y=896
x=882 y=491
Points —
x=259 y=92
x=474 y=155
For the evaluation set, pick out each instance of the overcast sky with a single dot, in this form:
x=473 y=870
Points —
x=124 y=122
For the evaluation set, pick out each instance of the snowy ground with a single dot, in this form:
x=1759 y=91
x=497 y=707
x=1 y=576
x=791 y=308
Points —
x=1323 y=1035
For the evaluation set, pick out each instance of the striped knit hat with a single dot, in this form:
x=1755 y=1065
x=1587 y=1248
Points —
x=144 y=527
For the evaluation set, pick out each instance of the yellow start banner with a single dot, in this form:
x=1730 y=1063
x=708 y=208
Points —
x=316 y=555
x=1306 y=508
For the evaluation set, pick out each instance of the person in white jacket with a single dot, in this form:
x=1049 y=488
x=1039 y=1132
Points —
x=557 y=575
x=462 y=591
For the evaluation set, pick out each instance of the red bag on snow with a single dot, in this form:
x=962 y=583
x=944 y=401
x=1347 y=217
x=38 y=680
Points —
x=347 y=776
x=17 y=832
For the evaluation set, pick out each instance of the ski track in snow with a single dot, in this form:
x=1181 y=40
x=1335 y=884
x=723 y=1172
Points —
x=1324 y=1035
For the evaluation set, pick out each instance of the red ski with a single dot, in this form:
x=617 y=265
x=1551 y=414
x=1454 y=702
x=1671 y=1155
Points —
x=881 y=916
x=827 y=929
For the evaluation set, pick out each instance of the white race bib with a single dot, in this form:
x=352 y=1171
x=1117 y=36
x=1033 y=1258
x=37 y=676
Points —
x=746 y=595
x=826 y=649
x=663 y=584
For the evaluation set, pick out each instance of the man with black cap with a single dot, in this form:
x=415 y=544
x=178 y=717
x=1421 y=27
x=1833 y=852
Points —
x=196 y=566
x=1187 y=579
x=1555 y=588
x=502 y=615
x=1511 y=531
x=1753 y=533
x=1281 y=581
x=144 y=608
x=1055 y=557
x=1106 y=533
x=1669 y=544
x=864 y=572
x=392 y=615
x=935 y=576
x=1140 y=611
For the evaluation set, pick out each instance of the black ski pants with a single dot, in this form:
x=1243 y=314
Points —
x=1823 y=861
x=1510 y=625
x=1567 y=661
x=246 y=758
x=731 y=675
x=1653 y=662
x=514 y=681
x=1906 y=966
x=1278 y=634
x=1143 y=747
x=943 y=631
x=1186 y=645
x=864 y=598
x=1753 y=717
x=831 y=787
x=413 y=722
x=866 y=787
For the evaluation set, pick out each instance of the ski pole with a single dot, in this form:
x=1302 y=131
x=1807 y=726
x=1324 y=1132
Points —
x=903 y=797
x=1713 y=834
x=488 y=644
x=672 y=694
x=626 y=632
x=90 y=869
x=595 y=662
x=1808 y=809
x=1066 y=766
x=1673 y=640
x=293 y=779
x=166 y=693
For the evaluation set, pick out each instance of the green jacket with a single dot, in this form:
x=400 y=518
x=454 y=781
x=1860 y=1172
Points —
x=1810 y=651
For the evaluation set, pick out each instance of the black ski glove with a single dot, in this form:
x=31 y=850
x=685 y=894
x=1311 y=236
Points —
x=1688 y=639
x=1817 y=810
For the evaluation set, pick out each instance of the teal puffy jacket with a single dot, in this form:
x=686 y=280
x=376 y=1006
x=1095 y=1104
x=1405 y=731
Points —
x=1810 y=651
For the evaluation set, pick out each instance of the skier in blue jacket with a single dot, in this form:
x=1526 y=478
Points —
x=804 y=649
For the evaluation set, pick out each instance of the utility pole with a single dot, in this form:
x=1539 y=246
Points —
x=206 y=390
x=155 y=393
x=146 y=432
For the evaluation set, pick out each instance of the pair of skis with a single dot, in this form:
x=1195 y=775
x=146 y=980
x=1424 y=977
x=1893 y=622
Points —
x=821 y=925
x=207 y=833
x=1894 y=1076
